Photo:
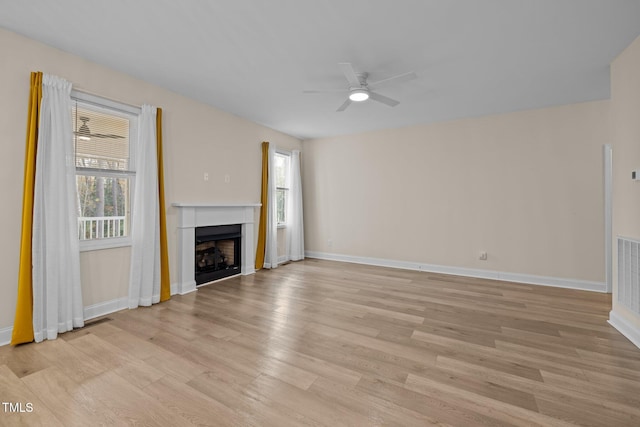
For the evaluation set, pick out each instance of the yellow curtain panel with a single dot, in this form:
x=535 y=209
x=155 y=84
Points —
x=23 y=322
x=165 y=278
x=262 y=227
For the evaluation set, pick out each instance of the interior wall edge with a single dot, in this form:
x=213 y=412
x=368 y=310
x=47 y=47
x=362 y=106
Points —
x=529 y=279
x=627 y=329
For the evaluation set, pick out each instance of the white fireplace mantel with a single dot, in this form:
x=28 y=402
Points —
x=192 y=215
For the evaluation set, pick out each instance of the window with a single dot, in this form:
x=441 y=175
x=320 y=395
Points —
x=104 y=134
x=282 y=161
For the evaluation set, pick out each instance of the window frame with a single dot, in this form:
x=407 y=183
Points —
x=131 y=113
x=286 y=154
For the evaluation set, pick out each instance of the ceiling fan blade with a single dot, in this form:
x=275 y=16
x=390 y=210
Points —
x=109 y=135
x=344 y=106
x=385 y=100
x=350 y=74
x=396 y=79
x=325 y=91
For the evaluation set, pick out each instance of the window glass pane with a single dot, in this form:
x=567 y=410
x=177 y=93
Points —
x=103 y=204
x=281 y=203
x=101 y=139
x=282 y=170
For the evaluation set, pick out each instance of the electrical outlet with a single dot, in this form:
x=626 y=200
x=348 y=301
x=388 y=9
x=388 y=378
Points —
x=206 y=176
x=483 y=256
x=227 y=178
x=330 y=243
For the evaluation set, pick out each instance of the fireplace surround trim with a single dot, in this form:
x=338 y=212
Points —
x=192 y=215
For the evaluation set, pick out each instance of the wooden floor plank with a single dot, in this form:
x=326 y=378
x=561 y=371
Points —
x=378 y=411
x=28 y=409
x=492 y=408
x=130 y=404
x=323 y=343
x=572 y=392
x=193 y=405
x=445 y=411
x=69 y=360
x=66 y=399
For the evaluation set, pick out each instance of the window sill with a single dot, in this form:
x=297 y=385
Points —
x=99 y=244
x=280 y=226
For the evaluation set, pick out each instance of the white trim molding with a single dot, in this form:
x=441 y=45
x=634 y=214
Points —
x=174 y=289
x=192 y=215
x=608 y=216
x=88 y=313
x=624 y=327
x=282 y=259
x=5 y=335
x=107 y=307
x=468 y=272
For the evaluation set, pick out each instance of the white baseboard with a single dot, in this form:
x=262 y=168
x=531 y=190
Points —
x=100 y=309
x=467 y=272
x=89 y=312
x=5 y=335
x=186 y=288
x=625 y=328
x=615 y=320
x=282 y=259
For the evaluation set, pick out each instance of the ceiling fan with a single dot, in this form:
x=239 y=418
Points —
x=84 y=133
x=360 y=90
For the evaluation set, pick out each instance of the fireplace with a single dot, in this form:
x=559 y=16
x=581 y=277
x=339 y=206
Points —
x=195 y=215
x=217 y=252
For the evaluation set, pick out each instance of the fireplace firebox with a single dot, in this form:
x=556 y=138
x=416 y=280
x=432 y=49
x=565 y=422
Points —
x=217 y=252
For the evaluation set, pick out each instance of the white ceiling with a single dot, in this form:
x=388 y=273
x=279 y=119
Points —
x=254 y=58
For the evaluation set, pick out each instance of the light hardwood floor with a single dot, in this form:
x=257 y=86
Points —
x=326 y=343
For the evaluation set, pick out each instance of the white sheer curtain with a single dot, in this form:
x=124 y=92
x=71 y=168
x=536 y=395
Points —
x=271 y=241
x=144 y=285
x=57 y=295
x=295 y=227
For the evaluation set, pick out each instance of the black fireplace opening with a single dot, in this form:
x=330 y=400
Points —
x=217 y=252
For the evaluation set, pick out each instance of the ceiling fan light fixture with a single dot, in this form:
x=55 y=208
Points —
x=359 y=95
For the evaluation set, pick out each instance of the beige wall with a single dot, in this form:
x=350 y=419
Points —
x=197 y=139
x=526 y=187
x=625 y=131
